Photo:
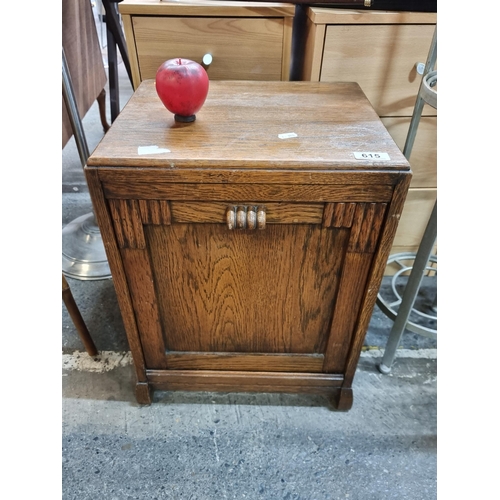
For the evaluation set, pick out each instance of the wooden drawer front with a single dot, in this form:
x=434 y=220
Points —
x=242 y=48
x=381 y=58
x=423 y=158
x=276 y=213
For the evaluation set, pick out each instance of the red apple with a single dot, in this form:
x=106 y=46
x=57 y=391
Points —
x=182 y=86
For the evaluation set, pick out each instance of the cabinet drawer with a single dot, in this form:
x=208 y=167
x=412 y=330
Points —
x=381 y=58
x=241 y=48
x=247 y=40
x=276 y=213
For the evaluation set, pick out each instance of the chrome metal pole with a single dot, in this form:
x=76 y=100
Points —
x=83 y=253
x=428 y=239
x=74 y=115
x=411 y=291
x=419 y=104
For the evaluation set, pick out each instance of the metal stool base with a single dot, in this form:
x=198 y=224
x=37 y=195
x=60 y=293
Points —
x=390 y=306
x=83 y=253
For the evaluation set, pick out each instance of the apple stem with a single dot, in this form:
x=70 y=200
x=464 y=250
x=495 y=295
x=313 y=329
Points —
x=180 y=62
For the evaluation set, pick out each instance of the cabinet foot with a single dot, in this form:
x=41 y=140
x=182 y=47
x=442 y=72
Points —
x=342 y=400
x=143 y=393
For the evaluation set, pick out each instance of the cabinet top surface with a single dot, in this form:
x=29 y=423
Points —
x=200 y=7
x=322 y=15
x=253 y=125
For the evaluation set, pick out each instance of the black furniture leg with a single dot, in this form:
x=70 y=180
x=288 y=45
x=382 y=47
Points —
x=115 y=39
x=114 y=95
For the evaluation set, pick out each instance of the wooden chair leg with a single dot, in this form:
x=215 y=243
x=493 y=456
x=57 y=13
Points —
x=101 y=101
x=77 y=319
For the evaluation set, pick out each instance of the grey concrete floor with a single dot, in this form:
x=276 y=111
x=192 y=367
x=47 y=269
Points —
x=214 y=446
x=260 y=446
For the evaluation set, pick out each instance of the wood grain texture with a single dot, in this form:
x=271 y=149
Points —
x=245 y=291
x=257 y=55
x=344 y=214
x=104 y=220
x=140 y=279
x=314 y=38
x=116 y=177
x=143 y=393
x=342 y=399
x=245 y=362
x=258 y=193
x=276 y=213
x=84 y=59
x=287 y=50
x=423 y=158
x=279 y=309
x=393 y=217
x=241 y=381
x=381 y=58
x=347 y=306
x=339 y=214
x=203 y=8
x=156 y=31
x=128 y=223
x=232 y=130
x=321 y=15
x=379 y=50
x=416 y=212
x=367 y=221
x=128 y=31
x=155 y=212
x=77 y=318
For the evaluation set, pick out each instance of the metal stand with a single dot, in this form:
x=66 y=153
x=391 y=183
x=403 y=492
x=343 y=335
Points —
x=426 y=94
x=115 y=38
x=83 y=253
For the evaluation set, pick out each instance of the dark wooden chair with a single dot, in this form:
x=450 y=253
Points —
x=77 y=319
x=83 y=58
x=83 y=54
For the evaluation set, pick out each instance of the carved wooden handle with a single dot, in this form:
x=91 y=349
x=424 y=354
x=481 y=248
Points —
x=246 y=217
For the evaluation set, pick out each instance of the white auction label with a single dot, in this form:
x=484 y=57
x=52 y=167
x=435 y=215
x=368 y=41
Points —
x=288 y=135
x=371 y=156
x=151 y=150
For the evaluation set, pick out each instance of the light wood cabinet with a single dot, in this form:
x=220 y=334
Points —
x=247 y=247
x=380 y=50
x=247 y=41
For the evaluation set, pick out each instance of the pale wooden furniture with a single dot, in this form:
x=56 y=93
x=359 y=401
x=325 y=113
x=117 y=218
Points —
x=379 y=50
x=247 y=253
x=247 y=40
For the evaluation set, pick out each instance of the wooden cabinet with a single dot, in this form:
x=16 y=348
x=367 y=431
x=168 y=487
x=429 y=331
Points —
x=380 y=50
x=247 y=40
x=247 y=247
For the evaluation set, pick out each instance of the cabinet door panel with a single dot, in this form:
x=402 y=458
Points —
x=274 y=297
x=269 y=291
x=381 y=58
x=242 y=48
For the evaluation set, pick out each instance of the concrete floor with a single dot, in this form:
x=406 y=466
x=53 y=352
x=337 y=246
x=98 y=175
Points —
x=208 y=446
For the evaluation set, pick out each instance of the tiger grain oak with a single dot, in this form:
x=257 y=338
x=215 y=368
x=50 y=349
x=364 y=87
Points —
x=247 y=253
